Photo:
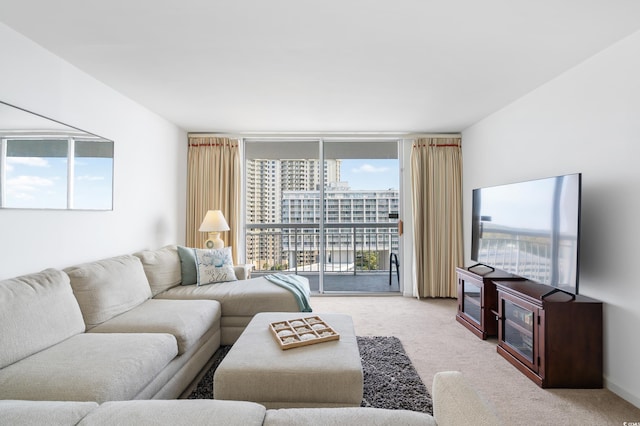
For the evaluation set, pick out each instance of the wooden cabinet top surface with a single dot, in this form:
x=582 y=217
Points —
x=483 y=273
x=538 y=293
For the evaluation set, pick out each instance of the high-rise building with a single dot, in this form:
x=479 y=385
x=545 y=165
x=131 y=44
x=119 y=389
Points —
x=265 y=182
x=266 y=179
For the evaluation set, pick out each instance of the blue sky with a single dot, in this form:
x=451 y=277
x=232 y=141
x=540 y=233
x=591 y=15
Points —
x=41 y=182
x=370 y=174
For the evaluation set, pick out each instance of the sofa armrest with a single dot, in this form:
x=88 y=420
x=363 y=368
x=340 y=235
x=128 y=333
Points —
x=456 y=403
x=243 y=272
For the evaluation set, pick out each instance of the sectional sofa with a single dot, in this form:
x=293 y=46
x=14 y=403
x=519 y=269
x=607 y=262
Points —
x=120 y=328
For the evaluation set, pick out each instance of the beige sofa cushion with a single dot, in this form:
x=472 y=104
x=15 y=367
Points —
x=176 y=412
x=346 y=416
x=109 y=287
x=38 y=311
x=30 y=413
x=186 y=320
x=162 y=267
x=90 y=367
x=239 y=298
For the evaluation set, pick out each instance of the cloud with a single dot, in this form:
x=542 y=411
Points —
x=23 y=196
x=28 y=187
x=28 y=161
x=28 y=184
x=368 y=168
x=89 y=177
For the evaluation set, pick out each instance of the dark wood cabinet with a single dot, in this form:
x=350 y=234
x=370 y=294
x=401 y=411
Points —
x=553 y=337
x=478 y=300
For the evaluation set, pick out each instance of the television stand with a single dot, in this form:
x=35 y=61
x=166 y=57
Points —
x=553 y=337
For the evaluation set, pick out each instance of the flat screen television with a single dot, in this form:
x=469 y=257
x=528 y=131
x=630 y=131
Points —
x=530 y=229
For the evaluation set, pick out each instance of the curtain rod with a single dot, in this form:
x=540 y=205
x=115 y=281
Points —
x=327 y=135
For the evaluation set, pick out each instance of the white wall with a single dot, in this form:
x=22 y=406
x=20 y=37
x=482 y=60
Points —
x=587 y=120
x=149 y=167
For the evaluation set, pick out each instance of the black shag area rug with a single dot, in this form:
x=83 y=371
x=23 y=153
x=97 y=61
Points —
x=390 y=380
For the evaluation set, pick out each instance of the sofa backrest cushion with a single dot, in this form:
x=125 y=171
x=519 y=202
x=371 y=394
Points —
x=108 y=287
x=36 y=312
x=162 y=267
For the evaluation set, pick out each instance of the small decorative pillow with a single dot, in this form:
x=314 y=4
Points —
x=188 y=265
x=214 y=266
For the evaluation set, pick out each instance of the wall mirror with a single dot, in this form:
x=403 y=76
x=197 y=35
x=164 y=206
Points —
x=45 y=164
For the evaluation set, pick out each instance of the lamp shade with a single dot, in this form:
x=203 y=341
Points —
x=214 y=221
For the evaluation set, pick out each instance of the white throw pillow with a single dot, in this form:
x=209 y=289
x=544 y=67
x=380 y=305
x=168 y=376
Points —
x=214 y=266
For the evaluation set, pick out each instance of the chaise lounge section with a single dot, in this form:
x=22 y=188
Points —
x=240 y=300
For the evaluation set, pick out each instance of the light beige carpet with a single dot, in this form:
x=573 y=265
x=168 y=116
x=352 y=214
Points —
x=435 y=341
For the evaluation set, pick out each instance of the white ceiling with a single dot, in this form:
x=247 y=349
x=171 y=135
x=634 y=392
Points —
x=323 y=66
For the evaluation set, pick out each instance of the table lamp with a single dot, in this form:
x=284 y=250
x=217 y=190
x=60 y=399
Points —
x=213 y=223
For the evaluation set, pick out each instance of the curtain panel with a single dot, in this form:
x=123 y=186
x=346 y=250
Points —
x=436 y=186
x=213 y=183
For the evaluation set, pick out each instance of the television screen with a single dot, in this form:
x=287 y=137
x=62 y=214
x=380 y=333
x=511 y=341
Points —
x=530 y=229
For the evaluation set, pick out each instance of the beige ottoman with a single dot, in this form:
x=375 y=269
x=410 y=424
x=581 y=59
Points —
x=327 y=374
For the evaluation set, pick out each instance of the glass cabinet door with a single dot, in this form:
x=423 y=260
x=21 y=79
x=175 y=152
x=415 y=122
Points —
x=471 y=302
x=518 y=331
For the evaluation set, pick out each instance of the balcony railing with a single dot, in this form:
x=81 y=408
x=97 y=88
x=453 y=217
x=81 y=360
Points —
x=350 y=248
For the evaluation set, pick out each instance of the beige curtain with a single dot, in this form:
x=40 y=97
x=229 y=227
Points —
x=213 y=183
x=436 y=177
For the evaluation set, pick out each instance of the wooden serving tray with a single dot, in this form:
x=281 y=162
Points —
x=305 y=331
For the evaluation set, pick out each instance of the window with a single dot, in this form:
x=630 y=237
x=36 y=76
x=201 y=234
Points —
x=56 y=173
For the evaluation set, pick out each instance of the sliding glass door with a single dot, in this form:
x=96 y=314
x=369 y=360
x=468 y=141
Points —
x=361 y=213
x=326 y=209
